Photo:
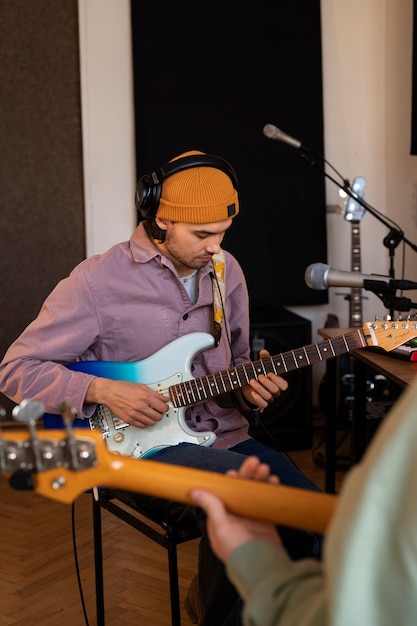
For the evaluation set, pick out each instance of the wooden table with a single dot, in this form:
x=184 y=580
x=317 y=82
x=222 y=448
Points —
x=400 y=372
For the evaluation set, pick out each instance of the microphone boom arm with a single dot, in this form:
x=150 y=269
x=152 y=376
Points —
x=395 y=236
x=386 y=293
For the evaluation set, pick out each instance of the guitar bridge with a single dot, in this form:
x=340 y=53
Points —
x=100 y=421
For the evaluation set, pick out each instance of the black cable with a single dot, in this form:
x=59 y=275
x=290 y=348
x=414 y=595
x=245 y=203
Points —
x=77 y=568
x=260 y=424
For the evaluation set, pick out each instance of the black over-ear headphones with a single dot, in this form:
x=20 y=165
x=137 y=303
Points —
x=149 y=187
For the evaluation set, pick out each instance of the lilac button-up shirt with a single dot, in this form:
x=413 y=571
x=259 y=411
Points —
x=124 y=305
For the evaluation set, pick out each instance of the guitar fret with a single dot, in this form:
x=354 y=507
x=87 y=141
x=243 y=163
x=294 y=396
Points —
x=280 y=366
x=284 y=360
x=236 y=382
x=243 y=369
x=230 y=379
x=180 y=399
x=187 y=392
x=261 y=362
x=316 y=348
x=255 y=374
x=299 y=356
x=263 y=367
x=273 y=368
x=312 y=354
x=332 y=349
x=220 y=375
x=211 y=382
x=362 y=339
x=174 y=396
x=197 y=389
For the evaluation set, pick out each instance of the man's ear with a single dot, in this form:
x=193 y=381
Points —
x=161 y=223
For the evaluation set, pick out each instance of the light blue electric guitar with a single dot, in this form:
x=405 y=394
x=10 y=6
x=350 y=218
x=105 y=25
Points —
x=169 y=372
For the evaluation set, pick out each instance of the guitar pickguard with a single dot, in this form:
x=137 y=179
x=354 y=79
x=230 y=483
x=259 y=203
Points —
x=127 y=440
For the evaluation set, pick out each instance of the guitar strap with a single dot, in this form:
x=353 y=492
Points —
x=219 y=293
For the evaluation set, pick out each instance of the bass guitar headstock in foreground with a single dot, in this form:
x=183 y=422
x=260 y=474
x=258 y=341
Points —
x=61 y=464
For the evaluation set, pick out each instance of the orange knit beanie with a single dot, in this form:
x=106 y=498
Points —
x=198 y=195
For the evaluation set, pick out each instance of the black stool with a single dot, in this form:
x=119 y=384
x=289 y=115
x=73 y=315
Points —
x=169 y=536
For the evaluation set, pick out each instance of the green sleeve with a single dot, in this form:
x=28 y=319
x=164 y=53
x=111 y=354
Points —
x=275 y=589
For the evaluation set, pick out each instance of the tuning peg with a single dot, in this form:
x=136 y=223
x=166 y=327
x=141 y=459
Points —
x=28 y=411
x=67 y=412
x=2 y=416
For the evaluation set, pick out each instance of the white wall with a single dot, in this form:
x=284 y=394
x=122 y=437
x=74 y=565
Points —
x=367 y=63
x=107 y=121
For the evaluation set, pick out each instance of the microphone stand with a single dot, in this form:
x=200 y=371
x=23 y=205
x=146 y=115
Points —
x=386 y=293
x=394 y=237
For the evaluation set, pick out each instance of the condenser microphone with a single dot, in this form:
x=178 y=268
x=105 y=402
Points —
x=321 y=276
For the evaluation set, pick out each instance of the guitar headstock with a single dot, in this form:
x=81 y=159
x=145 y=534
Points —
x=48 y=460
x=354 y=211
x=389 y=334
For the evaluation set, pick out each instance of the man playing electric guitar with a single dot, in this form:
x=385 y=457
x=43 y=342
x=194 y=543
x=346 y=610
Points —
x=169 y=281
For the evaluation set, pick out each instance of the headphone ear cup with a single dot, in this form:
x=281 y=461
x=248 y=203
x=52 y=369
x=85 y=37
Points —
x=148 y=194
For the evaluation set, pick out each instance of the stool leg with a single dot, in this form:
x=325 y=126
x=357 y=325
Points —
x=173 y=584
x=98 y=560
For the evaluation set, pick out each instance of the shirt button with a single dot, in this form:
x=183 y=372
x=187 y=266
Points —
x=185 y=316
x=198 y=419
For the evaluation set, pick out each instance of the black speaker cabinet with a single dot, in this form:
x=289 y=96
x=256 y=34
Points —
x=287 y=423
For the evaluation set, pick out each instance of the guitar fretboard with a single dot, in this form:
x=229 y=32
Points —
x=192 y=392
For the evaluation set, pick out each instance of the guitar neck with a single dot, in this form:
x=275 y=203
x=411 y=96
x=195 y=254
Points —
x=66 y=466
x=194 y=391
x=355 y=210
x=355 y=300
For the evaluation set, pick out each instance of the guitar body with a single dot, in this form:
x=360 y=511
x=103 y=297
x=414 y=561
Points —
x=166 y=367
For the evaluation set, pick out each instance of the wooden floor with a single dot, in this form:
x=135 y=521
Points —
x=38 y=580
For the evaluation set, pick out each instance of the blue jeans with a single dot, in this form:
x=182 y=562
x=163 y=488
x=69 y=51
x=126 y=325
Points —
x=219 y=600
